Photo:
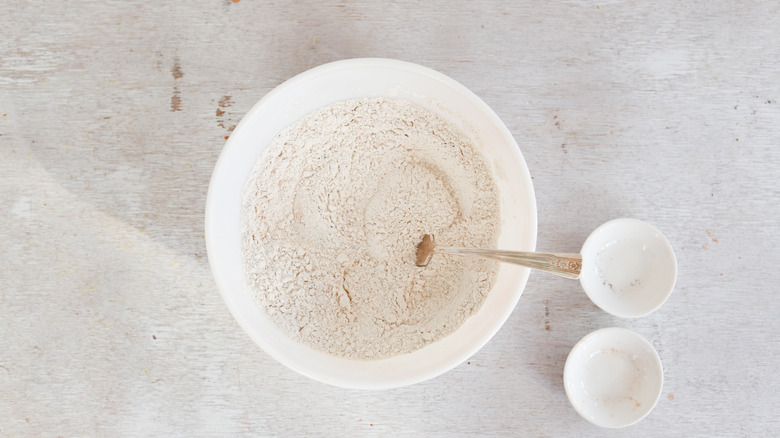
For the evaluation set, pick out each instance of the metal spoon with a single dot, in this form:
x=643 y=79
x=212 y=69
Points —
x=565 y=265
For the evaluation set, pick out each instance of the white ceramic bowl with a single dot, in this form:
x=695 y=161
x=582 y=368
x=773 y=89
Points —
x=350 y=79
x=613 y=377
x=628 y=268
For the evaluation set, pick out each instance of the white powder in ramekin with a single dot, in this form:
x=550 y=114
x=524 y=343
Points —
x=332 y=214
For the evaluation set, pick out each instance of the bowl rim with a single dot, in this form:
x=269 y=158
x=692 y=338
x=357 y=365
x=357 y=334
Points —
x=389 y=64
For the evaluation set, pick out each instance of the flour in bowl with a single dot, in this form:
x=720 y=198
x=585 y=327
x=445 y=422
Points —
x=332 y=214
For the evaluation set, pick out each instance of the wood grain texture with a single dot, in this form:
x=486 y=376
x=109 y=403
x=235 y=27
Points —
x=113 y=113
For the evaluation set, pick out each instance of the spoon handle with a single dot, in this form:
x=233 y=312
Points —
x=564 y=264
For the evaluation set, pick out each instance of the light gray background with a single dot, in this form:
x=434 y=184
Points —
x=113 y=113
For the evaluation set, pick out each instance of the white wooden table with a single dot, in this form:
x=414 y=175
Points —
x=112 y=115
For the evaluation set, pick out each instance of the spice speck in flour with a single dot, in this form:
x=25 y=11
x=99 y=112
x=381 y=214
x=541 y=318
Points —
x=332 y=214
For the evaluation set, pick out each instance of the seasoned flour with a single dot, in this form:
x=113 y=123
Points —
x=332 y=214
